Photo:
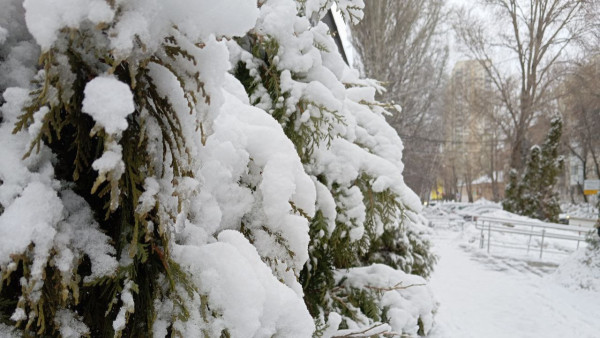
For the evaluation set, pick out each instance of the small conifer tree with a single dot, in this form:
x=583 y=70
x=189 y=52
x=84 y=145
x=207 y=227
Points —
x=551 y=166
x=533 y=195
x=512 y=195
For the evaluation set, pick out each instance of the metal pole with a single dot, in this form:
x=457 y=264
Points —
x=482 y=238
x=529 y=242
x=578 y=236
x=489 y=235
x=542 y=246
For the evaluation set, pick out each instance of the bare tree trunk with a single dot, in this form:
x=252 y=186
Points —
x=494 y=170
x=399 y=42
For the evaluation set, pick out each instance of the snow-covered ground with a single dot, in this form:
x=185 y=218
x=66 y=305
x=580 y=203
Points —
x=506 y=293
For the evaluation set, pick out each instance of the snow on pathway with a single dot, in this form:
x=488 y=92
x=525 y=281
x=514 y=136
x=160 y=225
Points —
x=483 y=297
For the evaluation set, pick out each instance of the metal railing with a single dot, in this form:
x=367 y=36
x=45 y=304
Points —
x=583 y=222
x=434 y=221
x=529 y=228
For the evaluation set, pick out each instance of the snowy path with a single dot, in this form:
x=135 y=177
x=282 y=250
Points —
x=484 y=297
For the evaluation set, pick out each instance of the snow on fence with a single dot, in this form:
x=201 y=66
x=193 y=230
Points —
x=532 y=229
x=582 y=222
x=435 y=221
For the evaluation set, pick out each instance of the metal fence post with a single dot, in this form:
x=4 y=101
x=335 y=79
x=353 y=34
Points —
x=482 y=237
x=489 y=235
x=529 y=242
x=542 y=246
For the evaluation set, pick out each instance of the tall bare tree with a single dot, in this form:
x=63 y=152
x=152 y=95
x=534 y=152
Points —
x=533 y=33
x=591 y=45
x=581 y=109
x=400 y=43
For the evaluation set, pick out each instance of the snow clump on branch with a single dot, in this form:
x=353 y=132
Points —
x=197 y=168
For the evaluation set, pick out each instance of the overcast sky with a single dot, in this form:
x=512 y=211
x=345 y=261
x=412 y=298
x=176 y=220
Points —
x=454 y=56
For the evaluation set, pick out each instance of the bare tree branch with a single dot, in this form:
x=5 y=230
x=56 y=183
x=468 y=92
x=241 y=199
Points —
x=401 y=43
x=540 y=31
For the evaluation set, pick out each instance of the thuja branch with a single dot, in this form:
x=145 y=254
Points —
x=398 y=286
x=362 y=333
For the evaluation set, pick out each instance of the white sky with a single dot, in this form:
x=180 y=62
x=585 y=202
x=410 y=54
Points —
x=454 y=56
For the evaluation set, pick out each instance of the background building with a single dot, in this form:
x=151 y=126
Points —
x=472 y=148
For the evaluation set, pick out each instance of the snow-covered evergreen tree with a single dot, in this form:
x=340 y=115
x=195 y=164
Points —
x=533 y=195
x=512 y=194
x=198 y=168
x=551 y=166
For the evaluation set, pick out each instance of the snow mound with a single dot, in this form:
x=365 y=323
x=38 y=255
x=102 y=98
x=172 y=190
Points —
x=581 y=270
x=581 y=210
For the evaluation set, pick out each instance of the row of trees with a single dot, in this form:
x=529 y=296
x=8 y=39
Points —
x=402 y=43
x=529 y=61
x=544 y=41
x=581 y=99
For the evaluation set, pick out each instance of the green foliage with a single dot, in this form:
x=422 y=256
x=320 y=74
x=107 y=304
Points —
x=551 y=166
x=141 y=237
x=357 y=304
x=362 y=300
x=423 y=258
x=512 y=194
x=317 y=275
x=243 y=75
x=320 y=327
x=346 y=252
x=533 y=193
x=306 y=136
x=317 y=130
x=392 y=243
x=385 y=239
x=70 y=134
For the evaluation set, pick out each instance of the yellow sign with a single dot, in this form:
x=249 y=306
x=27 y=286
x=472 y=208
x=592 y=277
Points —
x=437 y=193
x=591 y=187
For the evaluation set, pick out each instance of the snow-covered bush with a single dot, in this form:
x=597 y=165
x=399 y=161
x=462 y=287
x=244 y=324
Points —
x=195 y=168
x=365 y=213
